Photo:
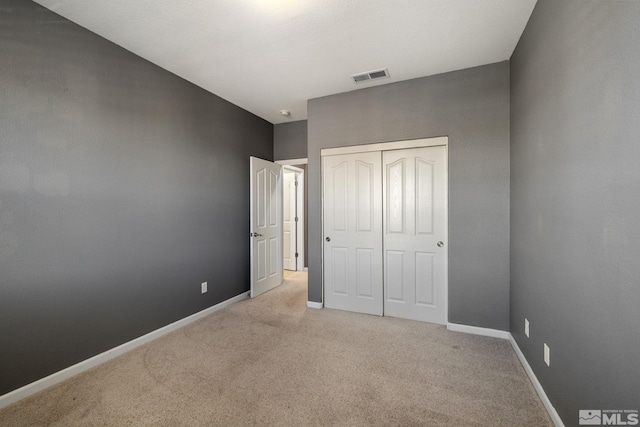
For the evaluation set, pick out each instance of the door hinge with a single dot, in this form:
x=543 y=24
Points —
x=296 y=183
x=296 y=254
x=296 y=219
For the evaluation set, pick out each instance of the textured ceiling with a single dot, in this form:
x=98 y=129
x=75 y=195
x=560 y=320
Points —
x=269 y=55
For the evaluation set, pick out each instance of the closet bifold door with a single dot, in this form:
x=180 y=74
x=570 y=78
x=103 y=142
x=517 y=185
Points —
x=352 y=212
x=415 y=233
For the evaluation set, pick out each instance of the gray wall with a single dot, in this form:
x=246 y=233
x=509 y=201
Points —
x=575 y=202
x=290 y=140
x=122 y=187
x=472 y=108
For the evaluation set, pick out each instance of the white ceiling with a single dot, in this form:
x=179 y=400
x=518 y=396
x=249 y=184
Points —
x=269 y=55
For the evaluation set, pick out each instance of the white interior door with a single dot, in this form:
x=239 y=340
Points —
x=266 y=226
x=415 y=233
x=289 y=229
x=352 y=208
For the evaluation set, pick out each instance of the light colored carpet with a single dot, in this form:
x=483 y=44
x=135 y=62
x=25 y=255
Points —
x=273 y=361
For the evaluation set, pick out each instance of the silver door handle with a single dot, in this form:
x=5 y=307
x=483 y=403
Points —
x=328 y=239
x=440 y=244
x=257 y=235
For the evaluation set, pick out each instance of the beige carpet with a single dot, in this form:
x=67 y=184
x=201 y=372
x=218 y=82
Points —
x=273 y=361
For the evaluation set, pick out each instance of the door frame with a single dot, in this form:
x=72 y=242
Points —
x=293 y=162
x=299 y=212
x=386 y=146
x=302 y=242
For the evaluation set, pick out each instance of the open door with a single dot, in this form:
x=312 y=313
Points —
x=266 y=226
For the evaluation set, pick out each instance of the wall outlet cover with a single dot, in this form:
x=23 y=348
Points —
x=547 y=356
x=203 y=287
x=526 y=327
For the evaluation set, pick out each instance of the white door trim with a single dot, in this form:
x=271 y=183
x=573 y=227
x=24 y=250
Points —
x=289 y=229
x=293 y=162
x=386 y=146
x=300 y=233
x=291 y=168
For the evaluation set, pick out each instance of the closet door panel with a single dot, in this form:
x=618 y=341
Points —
x=395 y=275
x=415 y=224
x=352 y=212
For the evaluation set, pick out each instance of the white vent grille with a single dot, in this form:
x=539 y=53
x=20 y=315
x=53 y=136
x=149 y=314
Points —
x=370 y=75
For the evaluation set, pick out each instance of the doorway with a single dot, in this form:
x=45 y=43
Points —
x=303 y=190
x=293 y=218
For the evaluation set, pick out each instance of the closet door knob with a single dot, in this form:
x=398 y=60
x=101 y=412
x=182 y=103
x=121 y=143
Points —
x=328 y=239
x=440 y=244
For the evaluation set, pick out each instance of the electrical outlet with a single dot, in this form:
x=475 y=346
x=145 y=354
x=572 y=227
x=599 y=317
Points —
x=526 y=327
x=203 y=287
x=546 y=355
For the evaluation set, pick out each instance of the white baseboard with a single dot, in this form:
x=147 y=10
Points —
x=536 y=384
x=305 y=269
x=553 y=414
x=313 y=304
x=495 y=333
x=58 y=377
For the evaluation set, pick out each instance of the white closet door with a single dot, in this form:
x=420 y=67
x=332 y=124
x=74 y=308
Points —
x=415 y=234
x=352 y=189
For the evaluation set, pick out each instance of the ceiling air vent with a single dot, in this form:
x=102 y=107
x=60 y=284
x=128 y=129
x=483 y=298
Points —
x=370 y=75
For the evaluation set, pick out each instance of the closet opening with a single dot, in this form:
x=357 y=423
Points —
x=385 y=229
